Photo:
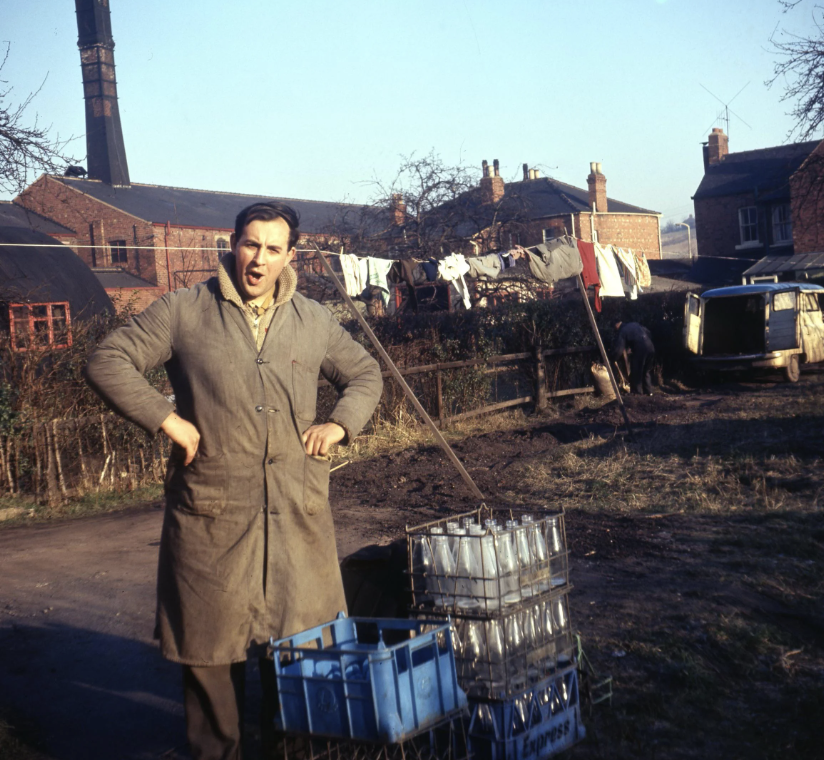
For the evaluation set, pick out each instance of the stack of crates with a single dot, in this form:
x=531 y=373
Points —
x=502 y=577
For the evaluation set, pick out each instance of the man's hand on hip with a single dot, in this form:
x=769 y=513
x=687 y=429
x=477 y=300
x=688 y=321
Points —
x=183 y=433
x=318 y=438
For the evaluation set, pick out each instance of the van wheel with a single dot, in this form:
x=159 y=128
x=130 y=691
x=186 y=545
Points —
x=792 y=372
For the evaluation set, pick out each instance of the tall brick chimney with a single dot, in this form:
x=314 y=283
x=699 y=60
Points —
x=397 y=210
x=718 y=145
x=104 y=136
x=492 y=183
x=597 y=184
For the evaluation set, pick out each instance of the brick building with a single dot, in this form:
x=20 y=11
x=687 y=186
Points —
x=500 y=214
x=760 y=202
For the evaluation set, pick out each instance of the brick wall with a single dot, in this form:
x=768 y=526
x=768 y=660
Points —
x=133 y=299
x=807 y=193
x=95 y=223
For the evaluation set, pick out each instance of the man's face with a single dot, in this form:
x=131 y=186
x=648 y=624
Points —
x=260 y=255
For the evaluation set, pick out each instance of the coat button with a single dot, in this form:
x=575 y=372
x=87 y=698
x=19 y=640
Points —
x=260 y=361
x=258 y=408
x=271 y=461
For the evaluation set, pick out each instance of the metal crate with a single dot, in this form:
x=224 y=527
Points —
x=465 y=565
x=499 y=656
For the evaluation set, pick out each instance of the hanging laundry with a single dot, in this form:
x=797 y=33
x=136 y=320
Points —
x=642 y=269
x=378 y=269
x=412 y=272
x=484 y=266
x=508 y=260
x=452 y=269
x=626 y=266
x=354 y=274
x=557 y=259
x=589 y=273
x=608 y=274
x=431 y=269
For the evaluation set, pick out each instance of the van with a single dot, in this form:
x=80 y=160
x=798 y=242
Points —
x=762 y=326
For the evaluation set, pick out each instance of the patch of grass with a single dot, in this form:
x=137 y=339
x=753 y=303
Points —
x=82 y=506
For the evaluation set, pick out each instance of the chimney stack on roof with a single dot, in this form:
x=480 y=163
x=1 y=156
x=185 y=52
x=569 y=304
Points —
x=397 y=210
x=492 y=183
x=526 y=172
x=718 y=146
x=106 y=154
x=597 y=184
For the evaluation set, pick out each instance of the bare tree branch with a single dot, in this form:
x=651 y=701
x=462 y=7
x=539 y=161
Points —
x=800 y=69
x=25 y=146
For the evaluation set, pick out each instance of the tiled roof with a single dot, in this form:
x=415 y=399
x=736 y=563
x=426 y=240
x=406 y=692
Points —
x=12 y=215
x=550 y=197
x=766 y=171
x=116 y=277
x=205 y=208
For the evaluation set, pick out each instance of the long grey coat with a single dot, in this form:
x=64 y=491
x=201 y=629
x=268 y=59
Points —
x=248 y=545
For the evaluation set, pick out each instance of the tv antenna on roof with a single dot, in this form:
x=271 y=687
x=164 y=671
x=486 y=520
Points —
x=725 y=114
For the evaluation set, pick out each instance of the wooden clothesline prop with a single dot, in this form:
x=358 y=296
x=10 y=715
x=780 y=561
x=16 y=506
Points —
x=400 y=380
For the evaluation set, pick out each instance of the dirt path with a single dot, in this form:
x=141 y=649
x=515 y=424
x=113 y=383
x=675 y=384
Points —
x=79 y=669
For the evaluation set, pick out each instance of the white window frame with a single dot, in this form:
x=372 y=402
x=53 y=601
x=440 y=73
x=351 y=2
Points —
x=782 y=224
x=748 y=225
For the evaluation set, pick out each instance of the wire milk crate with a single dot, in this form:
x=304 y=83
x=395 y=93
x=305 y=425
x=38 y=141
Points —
x=342 y=680
x=498 y=656
x=482 y=562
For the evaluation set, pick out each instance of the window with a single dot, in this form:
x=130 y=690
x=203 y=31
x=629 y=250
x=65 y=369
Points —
x=782 y=224
x=811 y=302
x=748 y=222
x=222 y=245
x=40 y=325
x=784 y=301
x=118 y=251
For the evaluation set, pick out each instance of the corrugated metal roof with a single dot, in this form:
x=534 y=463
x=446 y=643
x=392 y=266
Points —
x=768 y=170
x=205 y=208
x=31 y=274
x=13 y=215
x=797 y=262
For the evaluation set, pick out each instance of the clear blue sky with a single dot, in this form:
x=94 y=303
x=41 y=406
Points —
x=312 y=99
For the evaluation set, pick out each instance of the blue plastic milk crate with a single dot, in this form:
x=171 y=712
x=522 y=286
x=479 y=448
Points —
x=535 y=724
x=349 y=679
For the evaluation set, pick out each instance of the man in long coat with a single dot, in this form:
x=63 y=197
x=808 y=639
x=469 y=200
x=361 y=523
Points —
x=248 y=546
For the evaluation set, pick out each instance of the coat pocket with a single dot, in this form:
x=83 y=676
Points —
x=304 y=391
x=315 y=484
x=199 y=488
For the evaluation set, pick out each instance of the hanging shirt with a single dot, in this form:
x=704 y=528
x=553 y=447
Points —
x=353 y=274
x=452 y=269
x=611 y=283
x=589 y=273
x=557 y=259
x=626 y=266
x=642 y=269
x=484 y=266
x=378 y=269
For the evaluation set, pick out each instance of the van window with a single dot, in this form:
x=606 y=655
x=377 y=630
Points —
x=783 y=301
x=811 y=302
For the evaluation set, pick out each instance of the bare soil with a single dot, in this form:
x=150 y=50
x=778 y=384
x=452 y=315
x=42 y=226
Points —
x=697 y=553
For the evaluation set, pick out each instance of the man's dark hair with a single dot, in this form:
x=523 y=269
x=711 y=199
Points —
x=266 y=212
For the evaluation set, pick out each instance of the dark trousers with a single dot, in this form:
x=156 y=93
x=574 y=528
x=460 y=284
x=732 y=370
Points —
x=214 y=701
x=640 y=376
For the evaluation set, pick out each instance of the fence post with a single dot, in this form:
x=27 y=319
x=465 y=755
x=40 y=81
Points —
x=440 y=398
x=540 y=379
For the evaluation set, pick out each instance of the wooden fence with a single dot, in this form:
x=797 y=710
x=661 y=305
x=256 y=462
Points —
x=59 y=459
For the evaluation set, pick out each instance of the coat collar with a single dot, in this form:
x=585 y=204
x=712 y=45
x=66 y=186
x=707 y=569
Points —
x=287 y=283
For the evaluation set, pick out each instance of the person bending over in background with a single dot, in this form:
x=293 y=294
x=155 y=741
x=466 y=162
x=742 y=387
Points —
x=637 y=340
